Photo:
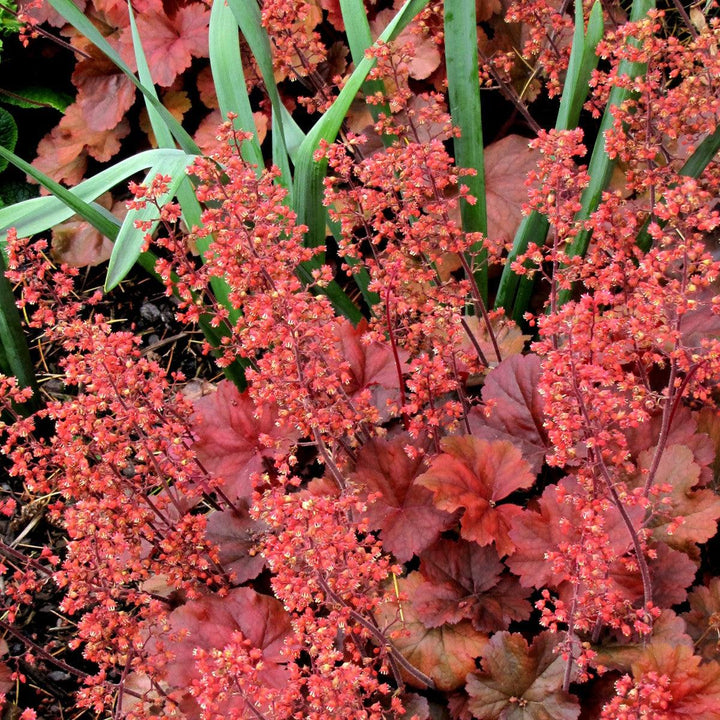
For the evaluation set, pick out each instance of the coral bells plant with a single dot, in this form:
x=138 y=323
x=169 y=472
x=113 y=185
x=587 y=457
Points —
x=400 y=503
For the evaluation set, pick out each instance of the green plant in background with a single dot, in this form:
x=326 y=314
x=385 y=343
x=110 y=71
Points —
x=9 y=24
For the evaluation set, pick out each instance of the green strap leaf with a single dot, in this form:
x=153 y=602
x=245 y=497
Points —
x=160 y=128
x=39 y=214
x=583 y=61
x=514 y=291
x=191 y=210
x=129 y=241
x=14 y=345
x=229 y=78
x=360 y=39
x=463 y=75
x=601 y=166
x=98 y=220
x=309 y=174
x=286 y=135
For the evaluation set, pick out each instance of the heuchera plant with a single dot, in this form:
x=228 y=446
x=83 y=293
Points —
x=432 y=511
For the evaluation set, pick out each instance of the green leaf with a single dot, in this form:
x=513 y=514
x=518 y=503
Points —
x=36 y=96
x=286 y=135
x=229 y=78
x=601 y=166
x=39 y=214
x=160 y=128
x=461 y=61
x=12 y=337
x=189 y=204
x=16 y=191
x=703 y=155
x=309 y=174
x=129 y=241
x=514 y=291
x=360 y=39
x=97 y=219
x=583 y=61
x=8 y=134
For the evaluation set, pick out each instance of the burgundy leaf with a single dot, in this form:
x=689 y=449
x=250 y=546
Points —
x=404 y=512
x=518 y=682
x=235 y=438
x=463 y=581
x=236 y=536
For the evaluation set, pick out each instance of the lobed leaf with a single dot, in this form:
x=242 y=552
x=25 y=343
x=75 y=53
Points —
x=521 y=682
x=553 y=525
x=474 y=475
x=236 y=536
x=210 y=621
x=698 y=509
x=404 y=512
x=694 y=686
x=516 y=406
x=463 y=581
x=77 y=19
x=234 y=437
x=620 y=653
x=703 y=618
x=446 y=653
x=372 y=366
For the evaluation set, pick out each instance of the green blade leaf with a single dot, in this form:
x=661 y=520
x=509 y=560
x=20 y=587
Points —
x=360 y=39
x=129 y=241
x=583 y=61
x=229 y=78
x=39 y=214
x=461 y=60
x=12 y=337
x=533 y=227
x=160 y=128
x=189 y=204
x=286 y=135
x=98 y=220
x=601 y=166
x=309 y=174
